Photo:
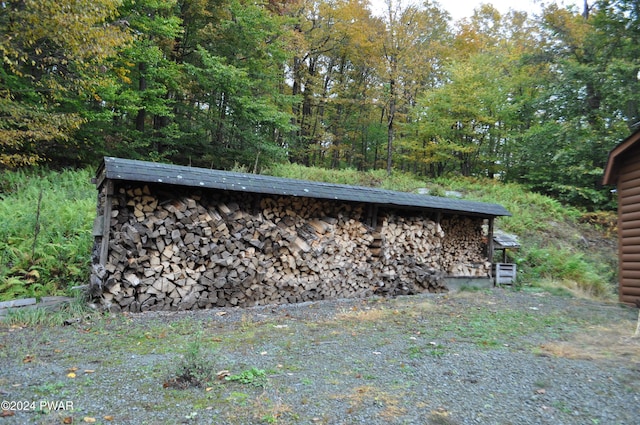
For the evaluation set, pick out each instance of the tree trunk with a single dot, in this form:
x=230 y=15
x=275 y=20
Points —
x=392 y=112
x=142 y=86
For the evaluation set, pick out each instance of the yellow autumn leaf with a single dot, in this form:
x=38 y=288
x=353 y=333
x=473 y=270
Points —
x=89 y=420
x=71 y=375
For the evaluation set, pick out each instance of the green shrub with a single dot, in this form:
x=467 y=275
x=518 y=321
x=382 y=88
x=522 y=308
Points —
x=567 y=268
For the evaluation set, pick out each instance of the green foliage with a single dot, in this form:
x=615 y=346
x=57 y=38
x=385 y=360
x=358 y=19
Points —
x=536 y=101
x=237 y=123
x=53 y=54
x=457 y=125
x=194 y=369
x=527 y=208
x=254 y=376
x=374 y=178
x=569 y=269
x=45 y=246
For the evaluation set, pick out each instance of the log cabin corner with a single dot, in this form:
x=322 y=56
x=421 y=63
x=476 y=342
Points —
x=172 y=237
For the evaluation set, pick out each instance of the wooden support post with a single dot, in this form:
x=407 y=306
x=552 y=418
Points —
x=490 y=244
x=106 y=226
x=372 y=216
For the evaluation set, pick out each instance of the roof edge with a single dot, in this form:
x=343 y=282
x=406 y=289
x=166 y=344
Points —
x=611 y=170
x=113 y=168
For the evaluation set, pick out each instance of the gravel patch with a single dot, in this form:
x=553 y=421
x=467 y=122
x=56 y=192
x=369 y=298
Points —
x=487 y=357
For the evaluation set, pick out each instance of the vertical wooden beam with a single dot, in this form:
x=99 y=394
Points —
x=106 y=225
x=372 y=216
x=490 y=245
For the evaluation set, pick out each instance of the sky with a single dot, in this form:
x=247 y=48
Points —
x=464 y=8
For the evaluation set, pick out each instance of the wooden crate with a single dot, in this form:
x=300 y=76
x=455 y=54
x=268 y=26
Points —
x=505 y=273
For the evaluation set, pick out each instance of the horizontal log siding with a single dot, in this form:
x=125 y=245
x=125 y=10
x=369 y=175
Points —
x=629 y=226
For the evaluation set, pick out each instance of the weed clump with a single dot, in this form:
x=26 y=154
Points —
x=254 y=376
x=194 y=370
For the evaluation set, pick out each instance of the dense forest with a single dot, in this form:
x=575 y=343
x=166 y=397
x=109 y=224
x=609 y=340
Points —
x=537 y=100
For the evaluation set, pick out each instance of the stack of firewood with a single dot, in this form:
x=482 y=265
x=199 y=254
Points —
x=412 y=251
x=220 y=249
x=464 y=248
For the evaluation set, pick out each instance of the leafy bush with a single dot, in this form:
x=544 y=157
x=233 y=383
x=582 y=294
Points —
x=568 y=269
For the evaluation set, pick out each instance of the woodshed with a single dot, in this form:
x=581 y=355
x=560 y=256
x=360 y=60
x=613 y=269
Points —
x=171 y=237
x=623 y=172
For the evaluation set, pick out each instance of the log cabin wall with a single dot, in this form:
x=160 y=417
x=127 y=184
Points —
x=180 y=248
x=623 y=171
x=629 y=226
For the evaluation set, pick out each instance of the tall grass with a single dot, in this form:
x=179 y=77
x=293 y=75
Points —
x=45 y=231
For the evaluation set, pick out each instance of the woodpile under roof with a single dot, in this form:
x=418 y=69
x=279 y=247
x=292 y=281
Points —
x=227 y=239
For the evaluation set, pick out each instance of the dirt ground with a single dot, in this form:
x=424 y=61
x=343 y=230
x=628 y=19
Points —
x=481 y=357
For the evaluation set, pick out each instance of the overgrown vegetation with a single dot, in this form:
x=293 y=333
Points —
x=45 y=231
x=560 y=243
x=46 y=219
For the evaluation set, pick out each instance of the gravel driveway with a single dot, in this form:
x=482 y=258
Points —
x=486 y=357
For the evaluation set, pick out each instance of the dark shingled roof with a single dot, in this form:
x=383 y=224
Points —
x=151 y=172
x=504 y=240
